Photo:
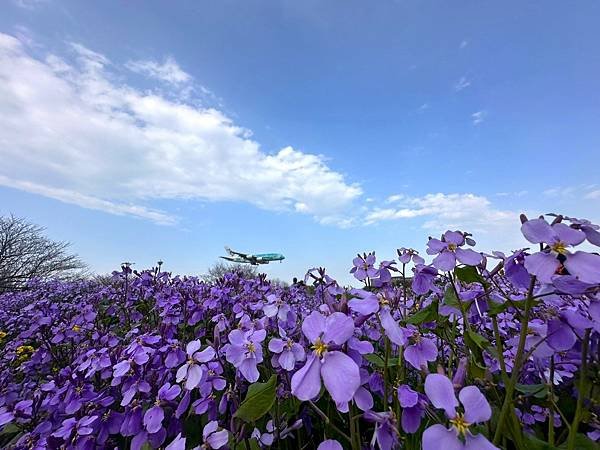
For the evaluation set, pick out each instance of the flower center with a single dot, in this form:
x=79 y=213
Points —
x=76 y=328
x=451 y=247
x=250 y=346
x=461 y=425
x=560 y=247
x=319 y=347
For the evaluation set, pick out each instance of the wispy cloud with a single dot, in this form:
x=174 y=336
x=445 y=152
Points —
x=478 y=117
x=167 y=71
x=109 y=146
x=461 y=84
x=463 y=44
x=465 y=211
x=29 y=4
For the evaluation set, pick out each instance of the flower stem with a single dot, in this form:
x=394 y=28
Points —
x=323 y=416
x=510 y=388
x=582 y=390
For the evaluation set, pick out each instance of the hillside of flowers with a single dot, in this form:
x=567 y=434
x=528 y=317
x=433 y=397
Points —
x=472 y=351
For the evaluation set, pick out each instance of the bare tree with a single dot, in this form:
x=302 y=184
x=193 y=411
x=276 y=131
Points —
x=219 y=269
x=25 y=253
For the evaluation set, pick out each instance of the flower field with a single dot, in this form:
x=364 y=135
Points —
x=472 y=351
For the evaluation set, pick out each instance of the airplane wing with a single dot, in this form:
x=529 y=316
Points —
x=232 y=253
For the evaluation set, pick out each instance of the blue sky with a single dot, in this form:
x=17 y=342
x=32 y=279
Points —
x=318 y=129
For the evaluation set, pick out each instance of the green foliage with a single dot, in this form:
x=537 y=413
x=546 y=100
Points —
x=259 y=400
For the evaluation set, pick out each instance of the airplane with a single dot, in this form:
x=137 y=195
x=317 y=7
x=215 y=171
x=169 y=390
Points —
x=255 y=260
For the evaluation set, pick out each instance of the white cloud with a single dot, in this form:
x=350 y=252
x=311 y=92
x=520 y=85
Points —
x=69 y=131
x=461 y=84
x=469 y=212
x=29 y=4
x=593 y=195
x=424 y=107
x=463 y=44
x=478 y=117
x=168 y=71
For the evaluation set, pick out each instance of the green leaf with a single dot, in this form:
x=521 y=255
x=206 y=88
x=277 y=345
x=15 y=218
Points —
x=428 y=314
x=10 y=428
x=536 y=390
x=582 y=442
x=533 y=443
x=379 y=361
x=478 y=339
x=468 y=274
x=259 y=400
x=495 y=308
x=450 y=298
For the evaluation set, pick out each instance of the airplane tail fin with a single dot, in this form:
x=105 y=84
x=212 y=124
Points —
x=228 y=250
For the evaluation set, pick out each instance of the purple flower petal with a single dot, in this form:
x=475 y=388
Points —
x=194 y=376
x=542 y=265
x=440 y=392
x=407 y=396
x=276 y=345
x=177 y=444
x=568 y=235
x=193 y=347
x=477 y=408
x=363 y=399
x=338 y=328
x=306 y=382
x=364 y=306
x=585 y=266
x=468 y=256
x=153 y=419
x=249 y=370
x=438 y=437
x=454 y=237
x=330 y=444
x=538 y=231
x=218 y=439
x=313 y=325
x=411 y=419
x=560 y=336
x=478 y=442
x=445 y=261
x=341 y=376
x=391 y=327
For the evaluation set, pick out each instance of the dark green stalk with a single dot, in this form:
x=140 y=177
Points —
x=510 y=388
x=581 y=394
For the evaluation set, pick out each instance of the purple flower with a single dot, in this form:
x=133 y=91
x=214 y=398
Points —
x=245 y=351
x=287 y=352
x=386 y=429
x=339 y=372
x=423 y=278
x=368 y=303
x=363 y=267
x=448 y=250
x=276 y=307
x=420 y=350
x=191 y=371
x=155 y=415
x=330 y=444
x=406 y=254
x=413 y=407
x=558 y=238
x=440 y=392
x=213 y=438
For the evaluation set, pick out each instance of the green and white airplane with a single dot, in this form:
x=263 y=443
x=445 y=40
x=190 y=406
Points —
x=255 y=260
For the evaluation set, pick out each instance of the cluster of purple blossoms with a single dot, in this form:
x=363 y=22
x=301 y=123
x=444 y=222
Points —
x=466 y=351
